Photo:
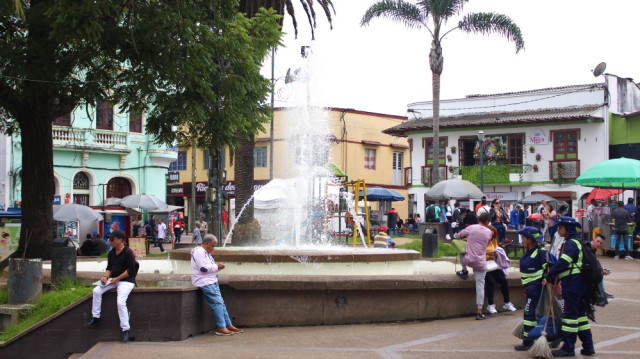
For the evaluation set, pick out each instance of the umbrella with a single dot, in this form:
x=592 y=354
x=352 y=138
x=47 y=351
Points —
x=537 y=198
x=617 y=173
x=72 y=212
x=144 y=201
x=454 y=188
x=602 y=193
x=111 y=201
x=381 y=194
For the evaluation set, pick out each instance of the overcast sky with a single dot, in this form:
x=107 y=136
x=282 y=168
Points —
x=383 y=67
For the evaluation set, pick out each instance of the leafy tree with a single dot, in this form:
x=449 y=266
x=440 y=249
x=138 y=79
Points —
x=432 y=15
x=190 y=62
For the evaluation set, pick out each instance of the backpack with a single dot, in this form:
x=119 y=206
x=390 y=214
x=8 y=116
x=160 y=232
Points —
x=592 y=275
x=431 y=212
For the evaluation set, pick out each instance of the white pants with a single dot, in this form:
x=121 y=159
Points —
x=123 y=289
x=479 y=275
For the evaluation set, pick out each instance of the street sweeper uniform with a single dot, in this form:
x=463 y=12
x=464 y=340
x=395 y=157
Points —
x=532 y=267
x=574 y=321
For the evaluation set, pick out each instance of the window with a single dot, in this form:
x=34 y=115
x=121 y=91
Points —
x=206 y=160
x=80 y=181
x=118 y=187
x=397 y=161
x=63 y=120
x=180 y=164
x=104 y=116
x=370 y=158
x=82 y=199
x=135 y=122
x=515 y=149
x=81 y=188
x=429 y=150
x=565 y=145
x=260 y=157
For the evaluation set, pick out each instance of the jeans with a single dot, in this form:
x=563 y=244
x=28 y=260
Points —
x=493 y=277
x=214 y=298
x=502 y=232
x=123 y=289
x=621 y=236
x=178 y=233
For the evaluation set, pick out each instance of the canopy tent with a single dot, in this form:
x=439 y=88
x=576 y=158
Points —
x=602 y=193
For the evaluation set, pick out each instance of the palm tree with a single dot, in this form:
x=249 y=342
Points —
x=250 y=7
x=432 y=14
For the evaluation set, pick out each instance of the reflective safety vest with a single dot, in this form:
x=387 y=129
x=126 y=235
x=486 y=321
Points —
x=576 y=266
x=530 y=268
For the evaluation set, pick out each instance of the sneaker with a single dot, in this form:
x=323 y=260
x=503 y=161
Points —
x=235 y=330
x=523 y=347
x=562 y=353
x=492 y=309
x=126 y=335
x=163 y=252
x=224 y=332
x=509 y=306
x=480 y=316
x=93 y=322
x=462 y=274
x=629 y=258
x=587 y=352
x=448 y=237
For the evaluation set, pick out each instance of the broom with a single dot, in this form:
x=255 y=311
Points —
x=540 y=348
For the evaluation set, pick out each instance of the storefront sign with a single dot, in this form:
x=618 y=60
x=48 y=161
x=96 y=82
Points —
x=57 y=200
x=173 y=177
x=538 y=137
x=580 y=213
x=230 y=186
x=503 y=196
x=201 y=189
x=174 y=190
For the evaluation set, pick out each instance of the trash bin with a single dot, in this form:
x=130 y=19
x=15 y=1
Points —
x=63 y=260
x=430 y=242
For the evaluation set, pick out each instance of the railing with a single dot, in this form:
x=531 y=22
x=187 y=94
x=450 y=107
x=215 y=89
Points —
x=408 y=176
x=69 y=134
x=566 y=170
x=110 y=138
x=494 y=174
x=426 y=174
x=86 y=136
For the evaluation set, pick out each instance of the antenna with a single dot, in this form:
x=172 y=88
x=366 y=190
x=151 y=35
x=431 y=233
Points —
x=599 y=70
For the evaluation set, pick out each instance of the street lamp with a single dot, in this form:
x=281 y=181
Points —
x=481 y=139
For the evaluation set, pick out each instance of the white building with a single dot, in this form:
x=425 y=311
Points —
x=535 y=141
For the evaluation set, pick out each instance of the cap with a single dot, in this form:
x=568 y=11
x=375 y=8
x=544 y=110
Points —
x=116 y=234
x=383 y=229
x=95 y=231
x=567 y=221
x=531 y=232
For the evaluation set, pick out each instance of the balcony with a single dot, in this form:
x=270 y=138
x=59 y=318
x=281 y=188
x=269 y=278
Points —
x=91 y=139
x=564 y=171
x=494 y=174
x=426 y=174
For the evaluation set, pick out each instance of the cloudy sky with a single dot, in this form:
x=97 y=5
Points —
x=383 y=67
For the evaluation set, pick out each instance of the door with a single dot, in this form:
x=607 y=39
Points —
x=397 y=169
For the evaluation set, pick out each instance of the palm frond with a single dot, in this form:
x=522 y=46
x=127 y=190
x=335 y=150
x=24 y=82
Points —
x=327 y=6
x=443 y=9
x=396 y=10
x=308 y=9
x=488 y=23
x=291 y=12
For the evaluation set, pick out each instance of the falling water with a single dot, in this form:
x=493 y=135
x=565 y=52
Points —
x=234 y=223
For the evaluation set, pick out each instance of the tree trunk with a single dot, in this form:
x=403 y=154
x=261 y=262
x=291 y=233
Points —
x=244 y=178
x=38 y=185
x=436 y=62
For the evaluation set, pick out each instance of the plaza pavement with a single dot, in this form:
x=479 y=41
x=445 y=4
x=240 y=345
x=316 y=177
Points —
x=617 y=335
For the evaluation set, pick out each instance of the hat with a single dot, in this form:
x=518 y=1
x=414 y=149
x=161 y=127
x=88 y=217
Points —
x=116 y=234
x=95 y=231
x=531 y=232
x=567 y=221
x=383 y=229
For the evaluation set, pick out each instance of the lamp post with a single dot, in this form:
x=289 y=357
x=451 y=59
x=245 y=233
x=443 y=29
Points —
x=481 y=139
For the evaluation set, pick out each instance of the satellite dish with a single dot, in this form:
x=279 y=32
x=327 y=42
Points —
x=599 y=70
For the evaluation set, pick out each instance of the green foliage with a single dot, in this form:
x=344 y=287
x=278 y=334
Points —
x=498 y=174
x=444 y=249
x=49 y=303
x=4 y=296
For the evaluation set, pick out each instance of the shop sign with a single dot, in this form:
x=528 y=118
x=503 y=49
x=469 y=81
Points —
x=538 y=137
x=502 y=196
x=173 y=177
x=174 y=191
x=230 y=186
x=57 y=200
x=201 y=189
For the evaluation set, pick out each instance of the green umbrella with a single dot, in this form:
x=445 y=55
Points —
x=617 y=173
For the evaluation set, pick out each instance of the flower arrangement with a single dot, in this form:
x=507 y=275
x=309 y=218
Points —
x=538 y=157
x=535 y=167
x=532 y=149
x=450 y=169
x=453 y=149
x=494 y=149
x=449 y=159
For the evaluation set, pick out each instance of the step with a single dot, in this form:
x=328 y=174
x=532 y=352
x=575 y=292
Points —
x=10 y=314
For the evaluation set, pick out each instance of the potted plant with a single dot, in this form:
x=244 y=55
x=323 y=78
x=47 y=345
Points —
x=449 y=158
x=450 y=169
x=535 y=167
x=538 y=157
x=453 y=149
x=532 y=149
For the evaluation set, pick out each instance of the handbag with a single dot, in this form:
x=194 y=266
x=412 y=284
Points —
x=491 y=265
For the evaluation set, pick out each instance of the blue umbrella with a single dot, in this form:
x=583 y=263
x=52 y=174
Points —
x=381 y=194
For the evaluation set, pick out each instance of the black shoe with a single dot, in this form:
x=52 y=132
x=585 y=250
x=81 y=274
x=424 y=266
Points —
x=610 y=296
x=555 y=343
x=125 y=336
x=586 y=352
x=523 y=347
x=463 y=274
x=93 y=322
x=562 y=353
x=480 y=316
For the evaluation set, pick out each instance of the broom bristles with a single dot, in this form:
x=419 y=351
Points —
x=540 y=348
x=518 y=332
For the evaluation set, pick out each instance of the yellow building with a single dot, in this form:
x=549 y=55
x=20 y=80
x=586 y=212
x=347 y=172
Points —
x=357 y=146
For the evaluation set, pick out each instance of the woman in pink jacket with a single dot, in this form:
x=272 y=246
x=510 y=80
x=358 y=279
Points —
x=477 y=237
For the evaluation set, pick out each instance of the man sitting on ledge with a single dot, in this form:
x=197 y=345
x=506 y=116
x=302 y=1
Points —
x=204 y=275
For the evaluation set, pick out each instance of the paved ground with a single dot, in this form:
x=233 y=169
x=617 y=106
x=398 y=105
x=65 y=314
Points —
x=617 y=335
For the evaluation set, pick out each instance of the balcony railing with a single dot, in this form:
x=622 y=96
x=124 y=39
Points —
x=408 y=176
x=426 y=174
x=494 y=174
x=566 y=170
x=69 y=136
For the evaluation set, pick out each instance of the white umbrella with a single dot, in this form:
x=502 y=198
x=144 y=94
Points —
x=144 y=201
x=75 y=212
x=455 y=189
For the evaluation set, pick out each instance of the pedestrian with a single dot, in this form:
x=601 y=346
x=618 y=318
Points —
x=496 y=275
x=620 y=217
x=499 y=220
x=632 y=209
x=197 y=236
x=203 y=225
x=533 y=265
x=514 y=220
x=401 y=227
x=382 y=239
x=591 y=215
x=483 y=207
x=120 y=274
x=177 y=229
x=552 y=217
x=432 y=214
x=477 y=237
x=483 y=202
x=411 y=224
x=162 y=234
x=225 y=220
x=596 y=243
x=457 y=218
x=524 y=214
x=135 y=230
x=448 y=218
x=148 y=232
x=568 y=270
x=204 y=275
x=392 y=221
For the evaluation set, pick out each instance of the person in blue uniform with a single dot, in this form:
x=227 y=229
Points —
x=574 y=320
x=533 y=265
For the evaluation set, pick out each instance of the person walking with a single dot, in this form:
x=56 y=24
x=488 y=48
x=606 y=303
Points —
x=620 y=217
x=477 y=237
x=162 y=234
x=197 y=235
x=204 y=275
x=568 y=269
x=120 y=274
x=177 y=229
